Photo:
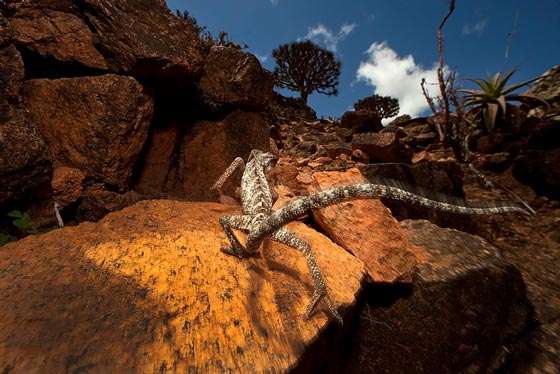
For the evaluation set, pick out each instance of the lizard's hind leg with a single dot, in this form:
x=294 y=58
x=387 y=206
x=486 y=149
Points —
x=242 y=223
x=320 y=289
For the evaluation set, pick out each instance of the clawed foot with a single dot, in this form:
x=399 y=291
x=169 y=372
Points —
x=317 y=296
x=230 y=251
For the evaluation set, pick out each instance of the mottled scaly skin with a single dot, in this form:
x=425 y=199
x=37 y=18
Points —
x=261 y=223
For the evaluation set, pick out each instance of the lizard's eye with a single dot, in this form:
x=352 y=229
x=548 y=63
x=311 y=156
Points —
x=271 y=160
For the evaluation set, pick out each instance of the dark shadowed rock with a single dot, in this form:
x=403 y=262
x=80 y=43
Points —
x=25 y=161
x=344 y=134
x=235 y=78
x=539 y=169
x=494 y=161
x=157 y=165
x=443 y=177
x=96 y=124
x=141 y=38
x=97 y=201
x=210 y=147
x=361 y=121
x=543 y=133
x=283 y=109
x=489 y=143
x=440 y=180
x=465 y=312
x=381 y=147
x=418 y=132
x=334 y=150
x=5 y=29
x=11 y=76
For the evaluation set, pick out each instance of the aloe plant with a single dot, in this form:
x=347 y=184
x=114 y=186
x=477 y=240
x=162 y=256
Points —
x=493 y=97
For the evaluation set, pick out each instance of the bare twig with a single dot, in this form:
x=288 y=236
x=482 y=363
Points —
x=441 y=79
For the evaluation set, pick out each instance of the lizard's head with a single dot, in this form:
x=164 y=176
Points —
x=266 y=160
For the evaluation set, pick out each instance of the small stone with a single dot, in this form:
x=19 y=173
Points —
x=314 y=164
x=304 y=178
x=67 y=185
x=323 y=160
x=302 y=161
x=344 y=157
x=360 y=156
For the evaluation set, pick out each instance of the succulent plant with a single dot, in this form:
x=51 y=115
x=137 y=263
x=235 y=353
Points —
x=492 y=99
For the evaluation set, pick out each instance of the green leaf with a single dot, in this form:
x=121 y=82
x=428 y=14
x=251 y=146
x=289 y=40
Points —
x=502 y=102
x=525 y=97
x=471 y=92
x=479 y=82
x=49 y=229
x=22 y=223
x=514 y=87
x=15 y=214
x=6 y=238
x=500 y=83
x=490 y=114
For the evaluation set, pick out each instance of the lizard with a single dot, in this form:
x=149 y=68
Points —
x=260 y=222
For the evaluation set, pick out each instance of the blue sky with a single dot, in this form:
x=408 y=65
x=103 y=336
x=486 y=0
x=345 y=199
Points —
x=386 y=47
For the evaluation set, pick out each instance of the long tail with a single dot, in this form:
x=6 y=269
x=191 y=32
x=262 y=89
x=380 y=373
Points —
x=340 y=194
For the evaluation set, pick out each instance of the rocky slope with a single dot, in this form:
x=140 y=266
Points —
x=521 y=164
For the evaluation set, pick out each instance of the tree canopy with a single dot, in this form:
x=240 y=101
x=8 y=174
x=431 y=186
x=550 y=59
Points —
x=385 y=106
x=305 y=67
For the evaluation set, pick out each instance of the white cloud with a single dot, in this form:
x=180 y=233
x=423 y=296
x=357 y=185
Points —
x=477 y=28
x=346 y=29
x=398 y=77
x=321 y=34
x=274 y=2
x=262 y=58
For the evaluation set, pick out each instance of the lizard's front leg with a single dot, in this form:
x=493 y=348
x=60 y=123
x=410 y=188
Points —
x=242 y=223
x=320 y=290
x=229 y=171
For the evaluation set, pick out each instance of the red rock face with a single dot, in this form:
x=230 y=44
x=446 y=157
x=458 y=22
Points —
x=93 y=71
x=95 y=124
x=25 y=162
x=156 y=175
x=235 y=78
x=212 y=146
x=138 y=37
x=67 y=185
x=61 y=36
x=375 y=236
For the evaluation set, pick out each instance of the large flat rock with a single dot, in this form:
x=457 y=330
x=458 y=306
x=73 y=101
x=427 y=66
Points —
x=147 y=290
